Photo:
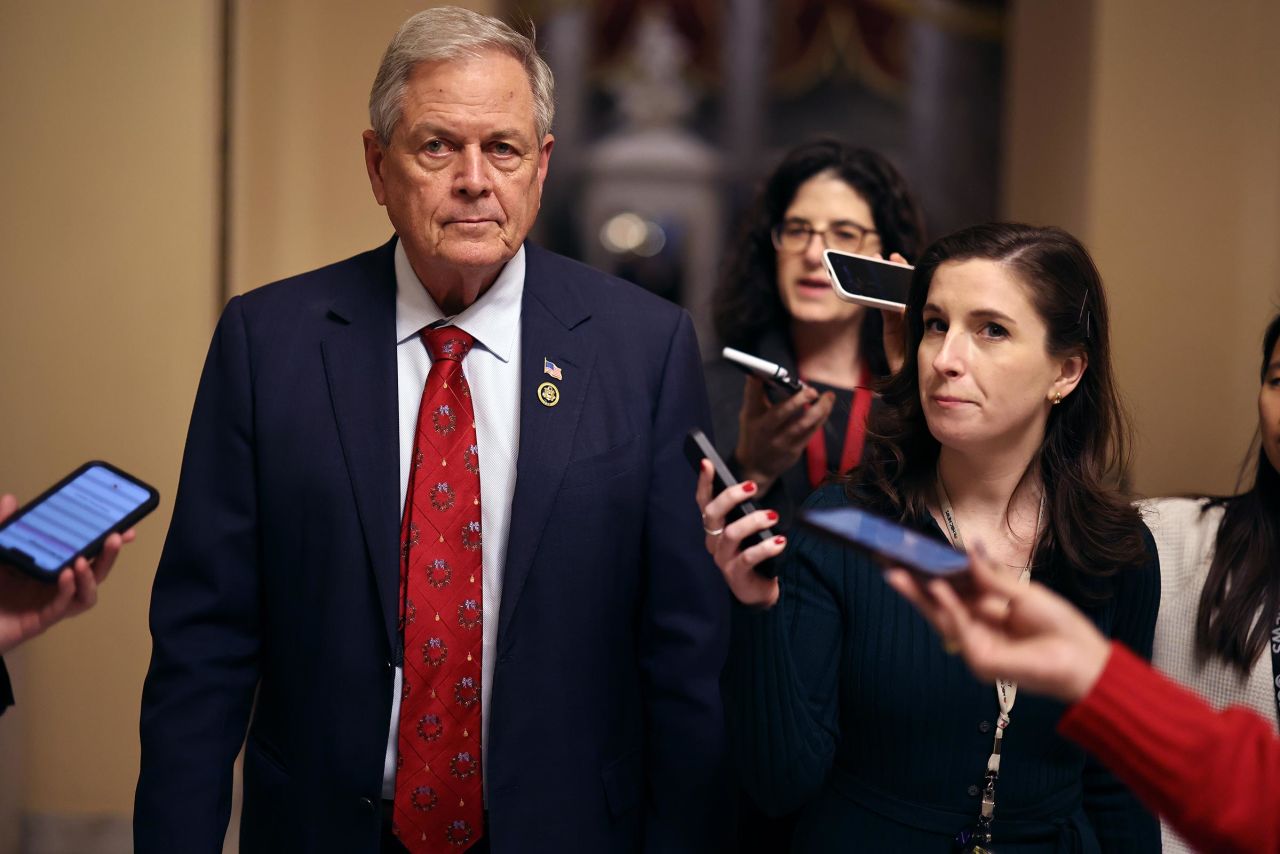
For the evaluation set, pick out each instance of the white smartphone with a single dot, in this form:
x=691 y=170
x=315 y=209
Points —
x=772 y=373
x=869 y=281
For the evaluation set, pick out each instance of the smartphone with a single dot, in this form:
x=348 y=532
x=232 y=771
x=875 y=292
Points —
x=698 y=447
x=890 y=542
x=869 y=281
x=72 y=518
x=773 y=374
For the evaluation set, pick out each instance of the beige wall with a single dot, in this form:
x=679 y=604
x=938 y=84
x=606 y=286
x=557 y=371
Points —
x=1150 y=128
x=107 y=260
x=1153 y=128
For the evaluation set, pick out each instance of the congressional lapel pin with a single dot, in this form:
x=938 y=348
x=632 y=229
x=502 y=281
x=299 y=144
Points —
x=551 y=369
x=548 y=394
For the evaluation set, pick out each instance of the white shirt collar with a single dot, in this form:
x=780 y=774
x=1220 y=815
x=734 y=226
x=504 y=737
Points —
x=492 y=320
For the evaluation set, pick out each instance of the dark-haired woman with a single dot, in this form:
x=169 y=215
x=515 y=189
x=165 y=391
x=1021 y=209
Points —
x=1220 y=577
x=1003 y=427
x=777 y=303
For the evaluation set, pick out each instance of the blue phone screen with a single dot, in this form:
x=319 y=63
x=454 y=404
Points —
x=888 y=539
x=59 y=527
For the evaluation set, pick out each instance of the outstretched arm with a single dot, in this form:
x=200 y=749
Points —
x=1215 y=776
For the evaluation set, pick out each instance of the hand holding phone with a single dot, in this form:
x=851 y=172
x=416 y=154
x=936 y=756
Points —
x=773 y=435
x=73 y=519
x=29 y=607
x=698 y=447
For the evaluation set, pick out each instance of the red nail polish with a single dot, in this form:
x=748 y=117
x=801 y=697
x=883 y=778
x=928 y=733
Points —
x=773 y=517
x=779 y=540
x=749 y=486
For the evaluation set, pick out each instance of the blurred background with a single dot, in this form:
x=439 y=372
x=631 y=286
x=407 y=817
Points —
x=157 y=156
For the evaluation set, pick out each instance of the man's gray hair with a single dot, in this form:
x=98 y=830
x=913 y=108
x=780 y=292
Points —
x=450 y=33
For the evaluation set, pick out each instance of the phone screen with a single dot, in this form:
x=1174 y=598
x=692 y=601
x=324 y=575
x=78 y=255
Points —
x=68 y=520
x=886 y=539
x=869 y=278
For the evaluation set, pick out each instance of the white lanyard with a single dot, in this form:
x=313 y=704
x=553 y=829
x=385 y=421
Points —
x=1006 y=690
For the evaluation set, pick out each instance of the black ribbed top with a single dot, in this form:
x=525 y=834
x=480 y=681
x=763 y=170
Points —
x=842 y=699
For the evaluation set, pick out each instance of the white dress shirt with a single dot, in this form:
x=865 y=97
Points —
x=492 y=369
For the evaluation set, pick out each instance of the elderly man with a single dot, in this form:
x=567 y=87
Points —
x=434 y=512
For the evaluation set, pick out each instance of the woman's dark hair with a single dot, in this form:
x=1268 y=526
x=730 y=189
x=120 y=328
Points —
x=746 y=304
x=1241 y=593
x=1091 y=526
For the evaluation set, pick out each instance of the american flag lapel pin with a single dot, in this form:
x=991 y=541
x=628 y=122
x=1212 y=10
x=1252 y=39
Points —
x=548 y=394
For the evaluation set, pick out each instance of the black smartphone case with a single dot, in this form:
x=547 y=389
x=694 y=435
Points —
x=23 y=562
x=697 y=447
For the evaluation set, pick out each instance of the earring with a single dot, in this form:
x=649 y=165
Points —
x=1057 y=398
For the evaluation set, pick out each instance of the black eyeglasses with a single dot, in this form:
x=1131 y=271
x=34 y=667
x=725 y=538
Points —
x=794 y=236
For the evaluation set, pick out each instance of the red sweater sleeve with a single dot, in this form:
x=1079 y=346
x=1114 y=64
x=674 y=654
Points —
x=1215 y=776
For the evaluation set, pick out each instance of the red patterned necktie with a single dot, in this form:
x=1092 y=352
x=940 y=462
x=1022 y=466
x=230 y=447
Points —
x=438 y=802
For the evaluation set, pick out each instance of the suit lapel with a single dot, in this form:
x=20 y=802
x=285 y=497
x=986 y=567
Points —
x=359 y=353
x=550 y=318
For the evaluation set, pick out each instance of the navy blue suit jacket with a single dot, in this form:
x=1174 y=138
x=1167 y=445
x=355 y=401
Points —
x=279 y=576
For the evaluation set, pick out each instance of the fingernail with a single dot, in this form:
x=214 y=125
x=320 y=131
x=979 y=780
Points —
x=772 y=516
x=780 y=540
x=749 y=486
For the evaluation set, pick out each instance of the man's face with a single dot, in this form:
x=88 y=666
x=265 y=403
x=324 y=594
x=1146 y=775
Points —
x=462 y=176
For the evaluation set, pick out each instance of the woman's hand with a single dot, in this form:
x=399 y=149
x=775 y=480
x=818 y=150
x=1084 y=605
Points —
x=895 y=330
x=1006 y=630
x=28 y=606
x=772 y=436
x=748 y=586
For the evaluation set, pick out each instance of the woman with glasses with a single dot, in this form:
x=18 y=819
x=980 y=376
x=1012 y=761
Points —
x=1003 y=428
x=777 y=303
x=1220 y=577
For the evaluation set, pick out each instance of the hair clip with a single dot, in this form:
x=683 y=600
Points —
x=1082 y=320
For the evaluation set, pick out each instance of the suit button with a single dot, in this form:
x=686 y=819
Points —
x=366 y=806
x=985 y=726
x=973 y=791
x=390 y=666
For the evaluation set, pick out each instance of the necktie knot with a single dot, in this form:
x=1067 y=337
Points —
x=447 y=342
